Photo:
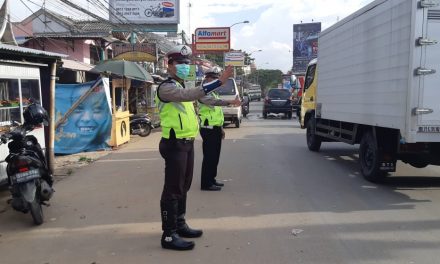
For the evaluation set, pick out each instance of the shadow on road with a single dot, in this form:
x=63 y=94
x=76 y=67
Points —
x=349 y=158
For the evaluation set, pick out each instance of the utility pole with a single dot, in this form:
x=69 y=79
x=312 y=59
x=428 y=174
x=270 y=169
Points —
x=189 y=17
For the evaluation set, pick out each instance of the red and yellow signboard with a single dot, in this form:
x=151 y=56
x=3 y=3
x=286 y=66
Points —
x=216 y=39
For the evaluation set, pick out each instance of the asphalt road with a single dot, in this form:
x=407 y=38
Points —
x=280 y=204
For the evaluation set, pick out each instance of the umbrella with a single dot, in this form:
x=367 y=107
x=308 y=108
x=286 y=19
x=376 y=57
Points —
x=124 y=68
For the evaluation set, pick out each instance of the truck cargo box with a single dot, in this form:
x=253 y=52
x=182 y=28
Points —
x=380 y=67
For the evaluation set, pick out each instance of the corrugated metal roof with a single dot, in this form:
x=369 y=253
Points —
x=93 y=26
x=76 y=65
x=71 y=35
x=30 y=51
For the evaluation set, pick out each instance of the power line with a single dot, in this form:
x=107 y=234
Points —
x=53 y=42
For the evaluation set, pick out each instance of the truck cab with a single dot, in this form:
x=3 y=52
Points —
x=308 y=104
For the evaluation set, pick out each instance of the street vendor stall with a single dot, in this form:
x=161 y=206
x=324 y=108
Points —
x=126 y=71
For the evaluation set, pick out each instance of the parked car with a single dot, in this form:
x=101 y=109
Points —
x=229 y=91
x=278 y=101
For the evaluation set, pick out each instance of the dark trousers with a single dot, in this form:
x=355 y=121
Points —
x=179 y=164
x=212 y=144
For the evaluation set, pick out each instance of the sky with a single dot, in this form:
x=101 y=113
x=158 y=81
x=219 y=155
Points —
x=270 y=28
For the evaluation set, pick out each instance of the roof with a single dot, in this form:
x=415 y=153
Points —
x=93 y=26
x=96 y=29
x=76 y=65
x=16 y=49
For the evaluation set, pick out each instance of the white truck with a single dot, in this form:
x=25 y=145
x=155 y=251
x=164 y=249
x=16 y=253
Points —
x=377 y=83
x=255 y=92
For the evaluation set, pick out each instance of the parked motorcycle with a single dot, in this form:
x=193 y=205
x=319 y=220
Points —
x=141 y=125
x=29 y=177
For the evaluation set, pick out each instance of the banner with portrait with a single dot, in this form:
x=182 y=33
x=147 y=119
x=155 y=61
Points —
x=86 y=109
x=305 y=45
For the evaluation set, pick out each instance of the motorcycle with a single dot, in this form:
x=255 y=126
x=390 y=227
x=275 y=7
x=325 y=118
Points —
x=141 y=125
x=29 y=177
x=245 y=105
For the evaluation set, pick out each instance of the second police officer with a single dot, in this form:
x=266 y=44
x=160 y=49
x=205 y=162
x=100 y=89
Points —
x=211 y=130
x=180 y=126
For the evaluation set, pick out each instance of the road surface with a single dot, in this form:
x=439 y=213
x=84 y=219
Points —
x=280 y=204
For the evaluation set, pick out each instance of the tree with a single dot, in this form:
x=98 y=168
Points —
x=217 y=58
x=266 y=78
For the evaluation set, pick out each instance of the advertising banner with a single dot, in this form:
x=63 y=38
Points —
x=88 y=127
x=234 y=58
x=217 y=39
x=144 y=11
x=305 y=45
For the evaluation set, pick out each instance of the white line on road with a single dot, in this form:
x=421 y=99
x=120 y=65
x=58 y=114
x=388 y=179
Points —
x=124 y=160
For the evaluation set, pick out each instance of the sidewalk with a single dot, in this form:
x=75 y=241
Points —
x=68 y=164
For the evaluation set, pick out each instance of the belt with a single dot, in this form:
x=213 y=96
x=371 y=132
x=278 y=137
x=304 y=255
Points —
x=190 y=139
x=186 y=139
x=210 y=127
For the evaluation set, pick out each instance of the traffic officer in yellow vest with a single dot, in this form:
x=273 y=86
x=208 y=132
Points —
x=211 y=130
x=180 y=126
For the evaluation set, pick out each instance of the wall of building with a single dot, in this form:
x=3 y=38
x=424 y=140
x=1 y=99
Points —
x=76 y=49
x=22 y=30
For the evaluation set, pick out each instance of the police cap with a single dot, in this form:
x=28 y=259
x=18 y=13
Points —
x=213 y=72
x=180 y=53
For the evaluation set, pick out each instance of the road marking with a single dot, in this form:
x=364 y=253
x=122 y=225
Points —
x=124 y=160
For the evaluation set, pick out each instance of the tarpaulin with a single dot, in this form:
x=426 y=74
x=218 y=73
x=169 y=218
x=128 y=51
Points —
x=88 y=126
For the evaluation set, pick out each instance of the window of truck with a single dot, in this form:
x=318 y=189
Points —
x=310 y=76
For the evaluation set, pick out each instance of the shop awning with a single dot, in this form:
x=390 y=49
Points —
x=76 y=65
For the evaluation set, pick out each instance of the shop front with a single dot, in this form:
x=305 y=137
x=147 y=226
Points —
x=23 y=73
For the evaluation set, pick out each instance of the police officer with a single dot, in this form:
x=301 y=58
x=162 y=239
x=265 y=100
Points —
x=211 y=130
x=180 y=126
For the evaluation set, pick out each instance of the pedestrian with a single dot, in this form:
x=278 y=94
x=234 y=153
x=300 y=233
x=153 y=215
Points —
x=180 y=126
x=211 y=130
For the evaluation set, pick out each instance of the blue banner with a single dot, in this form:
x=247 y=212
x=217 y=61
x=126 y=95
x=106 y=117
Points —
x=88 y=126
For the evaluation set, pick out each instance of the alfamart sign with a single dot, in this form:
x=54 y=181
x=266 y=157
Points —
x=216 y=39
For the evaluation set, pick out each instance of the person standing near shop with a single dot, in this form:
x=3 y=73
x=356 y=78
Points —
x=180 y=126
x=211 y=130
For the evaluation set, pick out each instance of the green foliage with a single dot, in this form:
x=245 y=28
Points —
x=266 y=78
x=239 y=71
x=85 y=159
x=216 y=58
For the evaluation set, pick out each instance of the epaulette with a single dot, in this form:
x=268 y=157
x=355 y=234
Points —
x=168 y=80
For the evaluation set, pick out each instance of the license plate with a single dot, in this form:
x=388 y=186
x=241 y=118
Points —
x=26 y=176
x=279 y=103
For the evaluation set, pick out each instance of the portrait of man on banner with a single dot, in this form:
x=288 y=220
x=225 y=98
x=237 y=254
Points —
x=88 y=125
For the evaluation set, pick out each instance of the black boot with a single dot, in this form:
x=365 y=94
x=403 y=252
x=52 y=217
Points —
x=170 y=239
x=182 y=228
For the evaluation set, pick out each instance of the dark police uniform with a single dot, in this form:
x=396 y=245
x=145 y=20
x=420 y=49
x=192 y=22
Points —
x=180 y=126
x=211 y=119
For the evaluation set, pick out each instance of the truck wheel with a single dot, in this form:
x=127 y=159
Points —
x=313 y=141
x=419 y=164
x=237 y=123
x=369 y=154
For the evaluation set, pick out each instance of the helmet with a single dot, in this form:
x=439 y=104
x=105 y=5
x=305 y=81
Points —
x=180 y=53
x=35 y=114
x=213 y=72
